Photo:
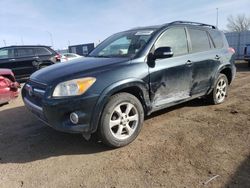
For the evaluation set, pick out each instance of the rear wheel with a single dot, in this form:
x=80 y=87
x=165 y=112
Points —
x=248 y=63
x=219 y=93
x=121 y=120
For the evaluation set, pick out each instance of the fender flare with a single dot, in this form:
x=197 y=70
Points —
x=114 y=88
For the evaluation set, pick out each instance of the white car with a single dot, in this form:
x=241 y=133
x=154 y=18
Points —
x=69 y=56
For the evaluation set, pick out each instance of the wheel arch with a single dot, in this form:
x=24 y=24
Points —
x=136 y=87
x=228 y=72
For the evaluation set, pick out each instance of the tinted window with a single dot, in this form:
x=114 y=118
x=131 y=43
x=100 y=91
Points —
x=42 y=51
x=199 y=40
x=6 y=53
x=174 y=38
x=217 y=38
x=24 y=52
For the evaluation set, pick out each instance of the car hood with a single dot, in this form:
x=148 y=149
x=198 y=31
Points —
x=74 y=69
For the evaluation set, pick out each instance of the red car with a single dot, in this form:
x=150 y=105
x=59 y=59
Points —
x=8 y=86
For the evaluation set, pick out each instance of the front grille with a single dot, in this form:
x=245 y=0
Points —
x=34 y=92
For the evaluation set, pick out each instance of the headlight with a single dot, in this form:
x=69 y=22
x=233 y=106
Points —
x=73 y=87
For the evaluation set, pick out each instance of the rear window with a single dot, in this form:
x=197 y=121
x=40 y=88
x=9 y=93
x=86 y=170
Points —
x=217 y=38
x=24 y=52
x=42 y=51
x=199 y=40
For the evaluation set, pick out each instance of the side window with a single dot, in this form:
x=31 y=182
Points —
x=6 y=53
x=176 y=39
x=199 y=40
x=42 y=51
x=24 y=52
x=217 y=38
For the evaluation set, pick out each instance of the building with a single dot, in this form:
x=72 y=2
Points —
x=82 y=49
x=238 y=40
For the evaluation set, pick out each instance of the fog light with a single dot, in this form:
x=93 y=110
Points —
x=74 y=118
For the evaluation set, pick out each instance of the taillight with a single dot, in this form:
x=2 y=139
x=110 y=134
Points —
x=58 y=57
x=3 y=82
x=231 y=50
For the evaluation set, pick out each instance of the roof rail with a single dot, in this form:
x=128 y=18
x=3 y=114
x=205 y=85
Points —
x=192 y=23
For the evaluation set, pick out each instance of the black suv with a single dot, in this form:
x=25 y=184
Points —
x=24 y=60
x=129 y=75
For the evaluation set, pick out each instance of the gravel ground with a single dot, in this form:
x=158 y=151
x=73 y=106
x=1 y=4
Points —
x=183 y=146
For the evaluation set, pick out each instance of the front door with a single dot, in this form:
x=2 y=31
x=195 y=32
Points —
x=170 y=78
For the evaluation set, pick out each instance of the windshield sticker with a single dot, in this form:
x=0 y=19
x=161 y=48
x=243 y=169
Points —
x=148 y=32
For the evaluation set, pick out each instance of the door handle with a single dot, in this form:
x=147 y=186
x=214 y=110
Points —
x=189 y=62
x=217 y=57
x=12 y=59
x=36 y=57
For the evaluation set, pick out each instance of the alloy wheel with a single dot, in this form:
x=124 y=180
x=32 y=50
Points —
x=124 y=120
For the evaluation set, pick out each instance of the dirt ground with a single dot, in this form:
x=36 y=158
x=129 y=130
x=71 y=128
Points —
x=184 y=146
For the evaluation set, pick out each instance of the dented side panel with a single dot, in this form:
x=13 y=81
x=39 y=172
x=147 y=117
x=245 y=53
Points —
x=170 y=80
x=203 y=70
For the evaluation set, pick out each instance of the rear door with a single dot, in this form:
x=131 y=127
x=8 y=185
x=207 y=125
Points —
x=24 y=58
x=204 y=60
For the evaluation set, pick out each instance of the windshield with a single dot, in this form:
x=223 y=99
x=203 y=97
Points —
x=126 y=44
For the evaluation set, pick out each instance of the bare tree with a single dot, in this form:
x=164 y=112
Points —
x=238 y=23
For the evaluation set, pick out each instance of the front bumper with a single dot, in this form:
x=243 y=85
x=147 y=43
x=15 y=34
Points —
x=56 y=112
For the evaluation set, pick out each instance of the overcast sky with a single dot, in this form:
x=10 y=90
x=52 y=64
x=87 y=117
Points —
x=84 y=21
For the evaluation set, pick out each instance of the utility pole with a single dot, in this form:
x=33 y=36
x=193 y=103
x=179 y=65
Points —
x=51 y=38
x=22 y=40
x=4 y=42
x=217 y=17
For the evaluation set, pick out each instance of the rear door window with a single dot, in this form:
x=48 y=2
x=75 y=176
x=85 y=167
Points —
x=24 y=52
x=176 y=39
x=217 y=38
x=199 y=40
x=42 y=51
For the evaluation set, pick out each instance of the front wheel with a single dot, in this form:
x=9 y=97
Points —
x=219 y=93
x=121 y=120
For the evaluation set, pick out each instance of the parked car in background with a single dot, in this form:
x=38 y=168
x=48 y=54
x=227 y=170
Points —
x=247 y=54
x=69 y=56
x=8 y=86
x=130 y=75
x=24 y=60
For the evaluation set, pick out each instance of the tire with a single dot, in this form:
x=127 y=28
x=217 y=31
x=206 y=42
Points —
x=249 y=63
x=219 y=93
x=121 y=120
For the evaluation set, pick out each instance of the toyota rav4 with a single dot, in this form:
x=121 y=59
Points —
x=130 y=75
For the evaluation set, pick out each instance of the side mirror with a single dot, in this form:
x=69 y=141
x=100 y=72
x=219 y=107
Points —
x=163 y=52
